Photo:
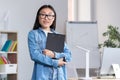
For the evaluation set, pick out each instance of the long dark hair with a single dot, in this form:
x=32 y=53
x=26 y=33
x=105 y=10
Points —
x=37 y=24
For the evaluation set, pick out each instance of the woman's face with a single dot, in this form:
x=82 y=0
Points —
x=46 y=18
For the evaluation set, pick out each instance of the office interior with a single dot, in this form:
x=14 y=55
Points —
x=21 y=16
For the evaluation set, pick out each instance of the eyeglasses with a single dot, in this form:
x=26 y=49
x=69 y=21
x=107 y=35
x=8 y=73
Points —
x=43 y=16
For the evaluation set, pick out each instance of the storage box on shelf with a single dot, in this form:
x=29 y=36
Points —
x=9 y=68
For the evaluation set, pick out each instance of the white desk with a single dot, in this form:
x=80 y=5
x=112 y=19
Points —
x=94 y=78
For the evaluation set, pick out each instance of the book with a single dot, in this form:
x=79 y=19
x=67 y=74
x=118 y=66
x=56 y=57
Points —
x=9 y=50
x=4 y=59
x=13 y=46
x=55 y=42
x=6 y=45
x=1 y=60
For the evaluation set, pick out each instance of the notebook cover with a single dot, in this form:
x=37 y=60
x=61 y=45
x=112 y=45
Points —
x=55 y=42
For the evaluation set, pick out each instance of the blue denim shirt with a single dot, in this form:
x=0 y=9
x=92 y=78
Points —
x=46 y=68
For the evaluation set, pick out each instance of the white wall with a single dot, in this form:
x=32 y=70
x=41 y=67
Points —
x=22 y=14
x=107 y=12
x=79 y=10
x=84 y=10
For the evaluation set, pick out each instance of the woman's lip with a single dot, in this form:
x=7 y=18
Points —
x=46 y=22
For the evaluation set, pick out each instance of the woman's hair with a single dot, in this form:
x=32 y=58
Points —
x=37 y=24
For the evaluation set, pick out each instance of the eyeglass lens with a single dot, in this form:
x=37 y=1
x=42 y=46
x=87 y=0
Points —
x=42 y=16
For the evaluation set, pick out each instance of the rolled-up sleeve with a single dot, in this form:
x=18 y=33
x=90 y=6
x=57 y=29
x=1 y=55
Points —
x=36 y=52
x=66 y=54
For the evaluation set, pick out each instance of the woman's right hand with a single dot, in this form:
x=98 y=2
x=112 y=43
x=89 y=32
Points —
x=61 y=62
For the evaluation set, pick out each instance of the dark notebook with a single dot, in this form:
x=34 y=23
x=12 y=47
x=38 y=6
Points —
x=55 y=42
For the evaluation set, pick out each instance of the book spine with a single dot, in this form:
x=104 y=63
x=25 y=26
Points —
x=1 y=60
x=14 y=45
x=11 y=46
x=4 y=59
x=6 y=45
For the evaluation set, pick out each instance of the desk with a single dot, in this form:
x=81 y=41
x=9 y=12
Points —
x=106 y=79
x=94 y=79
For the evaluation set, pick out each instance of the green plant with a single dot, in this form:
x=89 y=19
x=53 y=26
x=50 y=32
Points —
x=113 y=37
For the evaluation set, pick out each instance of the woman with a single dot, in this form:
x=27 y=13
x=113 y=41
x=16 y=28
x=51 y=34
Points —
x=48 y=65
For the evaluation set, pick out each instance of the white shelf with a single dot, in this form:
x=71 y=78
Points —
x=6 y=31
x=10 y=70
x=2 y=52
x=7 y=73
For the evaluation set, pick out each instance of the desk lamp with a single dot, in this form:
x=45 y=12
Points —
x=87 y=63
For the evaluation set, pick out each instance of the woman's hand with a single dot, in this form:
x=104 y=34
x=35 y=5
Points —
x=52 y=55
x=61 y=62
x=49 y=53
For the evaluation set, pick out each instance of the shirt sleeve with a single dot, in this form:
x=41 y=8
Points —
x=66 y=54
x=36 y=53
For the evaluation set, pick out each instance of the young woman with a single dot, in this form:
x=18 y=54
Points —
x=48 y=65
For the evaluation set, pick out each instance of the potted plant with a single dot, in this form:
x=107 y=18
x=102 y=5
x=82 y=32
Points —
x=112 y=42
x=113 y=37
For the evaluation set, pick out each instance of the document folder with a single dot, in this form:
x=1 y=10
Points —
x=55 y=42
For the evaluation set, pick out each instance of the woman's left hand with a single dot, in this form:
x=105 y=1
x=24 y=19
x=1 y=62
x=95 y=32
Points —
x=49 y=53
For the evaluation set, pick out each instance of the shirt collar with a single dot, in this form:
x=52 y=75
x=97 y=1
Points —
x=41 y=30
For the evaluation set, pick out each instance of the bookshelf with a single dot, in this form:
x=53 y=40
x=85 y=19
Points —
x=9 y=70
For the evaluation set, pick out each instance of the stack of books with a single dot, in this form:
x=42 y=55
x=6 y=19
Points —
x=9 y=46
